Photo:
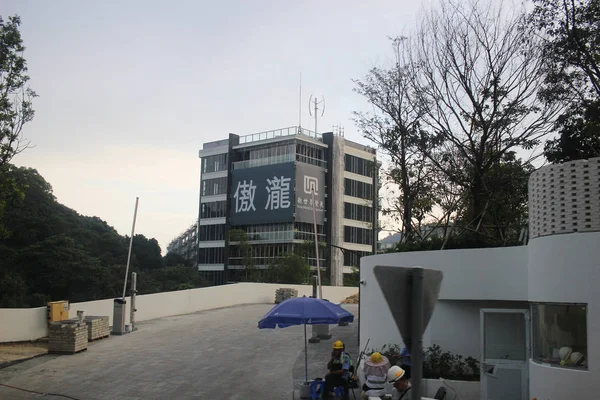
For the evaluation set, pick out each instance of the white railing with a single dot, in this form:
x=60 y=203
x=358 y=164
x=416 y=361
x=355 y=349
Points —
x=277 y=133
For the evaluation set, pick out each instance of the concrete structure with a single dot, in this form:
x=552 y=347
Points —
x=31 y=323
x=262 y=184
x=553 y=279
x=186 y=244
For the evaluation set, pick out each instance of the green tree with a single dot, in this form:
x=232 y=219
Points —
x=578 y=133
x=238 y=239
x=291 y=269
x=54 y=253
x=173 y=259
x=571 y=29
x=15 y=103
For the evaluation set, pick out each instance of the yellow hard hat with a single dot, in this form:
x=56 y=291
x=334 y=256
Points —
x=376 y=358
x=338 y=345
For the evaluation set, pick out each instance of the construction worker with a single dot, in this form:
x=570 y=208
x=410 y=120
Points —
x=400 y=379
x=339 y=370
x=375 y=369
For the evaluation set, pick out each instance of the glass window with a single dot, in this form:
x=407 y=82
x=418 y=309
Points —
x=214 y=163
x=358 y=189
x=213 y=209
x=560 y=334
x=211 y=187
x=358 y=235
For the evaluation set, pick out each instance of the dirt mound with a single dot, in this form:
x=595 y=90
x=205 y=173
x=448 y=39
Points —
x=351 y=300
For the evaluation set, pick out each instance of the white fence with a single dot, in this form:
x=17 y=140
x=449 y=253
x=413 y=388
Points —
x=31 y=323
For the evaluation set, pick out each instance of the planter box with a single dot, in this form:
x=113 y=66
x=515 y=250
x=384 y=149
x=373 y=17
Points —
x=466 y=390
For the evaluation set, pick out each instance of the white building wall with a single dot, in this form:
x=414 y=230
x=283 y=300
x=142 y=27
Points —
x=469 y=274
x=566 y=269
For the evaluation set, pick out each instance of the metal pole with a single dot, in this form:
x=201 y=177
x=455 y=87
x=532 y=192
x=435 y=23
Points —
x=132 y=306
x=317 y=244
x=305 y=356
x=315 y=283
x=416 y=351
x=137 y=199
x=316 y=109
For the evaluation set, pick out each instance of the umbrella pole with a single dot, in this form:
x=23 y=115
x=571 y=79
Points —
x=305 y=356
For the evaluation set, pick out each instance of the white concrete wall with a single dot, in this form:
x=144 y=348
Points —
x=21 y=324
x=455 y=325
x=566 y=268
x=30 y=324
x=462 y=390
x=469 y=274
x=484 y=275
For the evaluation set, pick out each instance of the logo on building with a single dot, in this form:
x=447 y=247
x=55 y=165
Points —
x=311 y=183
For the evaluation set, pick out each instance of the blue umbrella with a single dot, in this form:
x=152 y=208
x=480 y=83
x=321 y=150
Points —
x=304 y=311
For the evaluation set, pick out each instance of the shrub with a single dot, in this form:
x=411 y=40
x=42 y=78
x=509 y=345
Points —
x=438 y=363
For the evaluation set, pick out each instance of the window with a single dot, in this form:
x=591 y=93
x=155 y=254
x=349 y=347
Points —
x=358 y=165
x=210 y=232
x=560 y=334
x=214 y=163
x=311 y=154
x=213 y=209
x=358 y=189
x=211 y=255
x=358 y=235
x=211 y=187
x=358 y=212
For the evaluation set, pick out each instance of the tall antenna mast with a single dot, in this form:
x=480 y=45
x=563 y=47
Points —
x=316 y=103
x=300 y=104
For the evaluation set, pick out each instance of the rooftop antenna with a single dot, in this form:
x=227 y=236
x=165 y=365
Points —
x=300 y=105
x=316 y=103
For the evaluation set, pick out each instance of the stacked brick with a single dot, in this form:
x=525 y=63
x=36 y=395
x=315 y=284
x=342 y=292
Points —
x=70 y=336
x=97 y=327
x=284 y=294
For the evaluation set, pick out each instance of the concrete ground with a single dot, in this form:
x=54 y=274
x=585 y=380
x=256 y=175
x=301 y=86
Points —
x=217 y=354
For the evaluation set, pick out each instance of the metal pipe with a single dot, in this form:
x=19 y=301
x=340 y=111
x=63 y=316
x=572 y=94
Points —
x=317 y=244
x=132 y=306
x=137 y=199
x=416 y=351
x=305 y=356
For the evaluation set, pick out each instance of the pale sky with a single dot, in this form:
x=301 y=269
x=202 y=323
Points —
x=130 y=90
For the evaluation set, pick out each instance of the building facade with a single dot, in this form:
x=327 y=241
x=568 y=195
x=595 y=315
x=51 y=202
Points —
x=266 y=184
x=186 y=244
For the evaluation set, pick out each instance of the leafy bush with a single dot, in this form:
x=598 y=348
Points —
x=438 y=363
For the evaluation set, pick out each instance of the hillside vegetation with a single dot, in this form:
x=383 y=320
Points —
x=50 y=252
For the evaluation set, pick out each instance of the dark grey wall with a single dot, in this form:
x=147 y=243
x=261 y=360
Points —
x=306 y=177
x=262 y=195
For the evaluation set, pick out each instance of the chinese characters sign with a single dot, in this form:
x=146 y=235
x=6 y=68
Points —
x=263 y=195
x=274 y=193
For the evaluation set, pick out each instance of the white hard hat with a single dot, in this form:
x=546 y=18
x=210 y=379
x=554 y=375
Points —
x=395 y=373
x=564 y=353
x=577 y=358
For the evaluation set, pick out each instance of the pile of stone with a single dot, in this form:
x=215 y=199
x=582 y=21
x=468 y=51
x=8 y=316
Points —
x=97 y=327
x=69 y=336
x=351 y=300
x=284 y=294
